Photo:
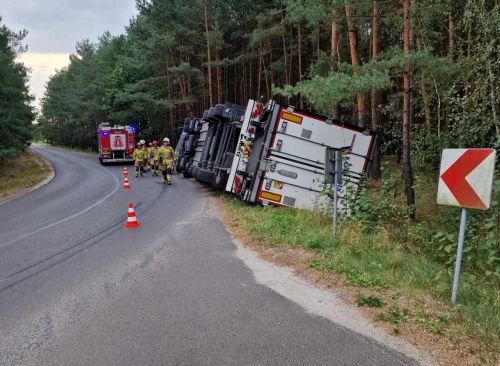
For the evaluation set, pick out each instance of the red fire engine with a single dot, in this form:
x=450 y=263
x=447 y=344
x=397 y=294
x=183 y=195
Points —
x=116 y=144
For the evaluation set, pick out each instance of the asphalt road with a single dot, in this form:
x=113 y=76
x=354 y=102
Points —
x=77 y=288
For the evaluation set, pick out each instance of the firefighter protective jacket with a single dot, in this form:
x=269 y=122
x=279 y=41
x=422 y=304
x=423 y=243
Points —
x=155 y=151
x=140 y=155
x=166 y=153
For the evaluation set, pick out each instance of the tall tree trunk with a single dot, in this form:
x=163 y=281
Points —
x=425 y=95
x=250 y=95
x=355 y=62
x=318 y=36
x=271 y=73
x=407 y=171
x=301 y=101
x=259 y=74
x=243 y=95
x=334 y=57
x=451 y=32
x=169 y=90
x=493 y=102
x=375 y=172
x=219 y=78
x=209 y=71
x=290 y=63
x=467 y=75
x=180 y=81
x=285 y=56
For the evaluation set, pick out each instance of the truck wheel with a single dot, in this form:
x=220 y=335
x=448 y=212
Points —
x=179 y=165
x=205 y=175
x=100 y=161
x=190 y=171
x=196 y=169
x=188 y=125
x=220 y=179
x=186 y=175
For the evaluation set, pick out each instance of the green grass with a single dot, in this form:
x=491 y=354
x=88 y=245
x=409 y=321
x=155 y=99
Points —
x=371 y=301
x=380 y=261
x=21 y=173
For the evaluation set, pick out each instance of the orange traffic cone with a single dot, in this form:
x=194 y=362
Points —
x=125 y=172
x=125 y=183
x=131 y=220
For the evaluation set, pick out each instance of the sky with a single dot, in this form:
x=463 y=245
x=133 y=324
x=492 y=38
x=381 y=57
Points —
x=55 y=26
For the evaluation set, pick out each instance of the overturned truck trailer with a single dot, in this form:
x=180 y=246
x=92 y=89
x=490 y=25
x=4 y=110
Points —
x=280 y=156
x=220 y=142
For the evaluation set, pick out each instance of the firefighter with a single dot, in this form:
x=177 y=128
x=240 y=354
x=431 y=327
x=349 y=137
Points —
x=166 y=156
x=148 y=164
x=140 y=159
x=145 y=151
x=154 y=158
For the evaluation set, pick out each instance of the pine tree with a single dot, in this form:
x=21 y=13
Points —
x=16 y=111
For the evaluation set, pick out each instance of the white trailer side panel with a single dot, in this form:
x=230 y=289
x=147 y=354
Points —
x=295 y=159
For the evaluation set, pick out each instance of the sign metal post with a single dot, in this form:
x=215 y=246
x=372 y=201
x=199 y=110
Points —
x=335 y=196
x=460 y=250
x=466 y=181
x=333 y=175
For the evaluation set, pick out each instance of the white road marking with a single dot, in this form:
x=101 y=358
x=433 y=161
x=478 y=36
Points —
x=101 y=201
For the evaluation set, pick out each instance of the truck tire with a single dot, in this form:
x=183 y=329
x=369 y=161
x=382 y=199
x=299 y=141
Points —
x=219 y=110
x=194 y=174
x=180 y=164
x=101 y=162
x=186 y=175
x=189 y=124
x=190 y=171
x=220 y=179
x=190 y=144
x=206 y=176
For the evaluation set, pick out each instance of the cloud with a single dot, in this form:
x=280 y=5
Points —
x=42 y=66
x=54 y=27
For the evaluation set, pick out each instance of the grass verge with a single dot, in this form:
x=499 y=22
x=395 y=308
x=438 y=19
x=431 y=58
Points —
x=401 y=288
x=22 y=173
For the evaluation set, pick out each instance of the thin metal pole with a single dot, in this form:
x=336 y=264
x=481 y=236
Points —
x=459 y=256
x=335 y=194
